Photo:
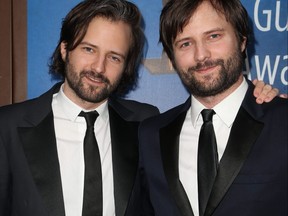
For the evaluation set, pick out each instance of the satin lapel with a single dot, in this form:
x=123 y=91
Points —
x=124 y=139
x=244 y=132
x=39 y=144
x=169 y=142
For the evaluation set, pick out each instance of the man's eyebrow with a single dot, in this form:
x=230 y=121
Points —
x=88 y=44
x=214 y=30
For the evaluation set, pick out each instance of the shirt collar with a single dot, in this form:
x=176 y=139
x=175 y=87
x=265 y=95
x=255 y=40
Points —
x=196 y=108
x=72 y=110
x=227 y=109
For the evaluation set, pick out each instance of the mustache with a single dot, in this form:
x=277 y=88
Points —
x=206 y=64
x=95 y=75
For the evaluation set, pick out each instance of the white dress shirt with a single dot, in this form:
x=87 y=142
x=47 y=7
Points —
x=70 y=131
x=226 y=112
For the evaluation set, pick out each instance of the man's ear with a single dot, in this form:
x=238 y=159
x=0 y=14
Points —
x=243 y=44
x=63 y=50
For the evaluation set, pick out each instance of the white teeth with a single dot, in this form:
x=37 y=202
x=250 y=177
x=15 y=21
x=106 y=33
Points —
x=94 y=79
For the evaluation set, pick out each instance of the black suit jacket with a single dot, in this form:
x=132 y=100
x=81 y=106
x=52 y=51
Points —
x=30 y=181
x=252 y=175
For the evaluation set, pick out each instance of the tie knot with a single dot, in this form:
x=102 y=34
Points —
x=207 y=114
x=90 y=117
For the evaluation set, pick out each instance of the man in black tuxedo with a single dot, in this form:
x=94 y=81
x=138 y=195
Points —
x=41 y=140
x=42 y=169
x=243 y=170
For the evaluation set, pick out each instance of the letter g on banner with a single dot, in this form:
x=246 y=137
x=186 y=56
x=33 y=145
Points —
x=267 y=24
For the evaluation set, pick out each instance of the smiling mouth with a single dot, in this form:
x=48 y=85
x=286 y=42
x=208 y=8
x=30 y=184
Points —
x=204 y=69
x=94 y=78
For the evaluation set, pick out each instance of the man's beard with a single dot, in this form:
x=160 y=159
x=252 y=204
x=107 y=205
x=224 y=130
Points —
x=93 y=94
x=229 y=73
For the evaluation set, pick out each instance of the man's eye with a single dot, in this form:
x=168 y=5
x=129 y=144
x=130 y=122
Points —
x=116 y=59
x=186 y=44
x=88 y=49
x=214 y=36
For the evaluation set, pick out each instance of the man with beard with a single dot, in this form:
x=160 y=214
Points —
x=43 y=169
x=42 y=145
x=231 y=161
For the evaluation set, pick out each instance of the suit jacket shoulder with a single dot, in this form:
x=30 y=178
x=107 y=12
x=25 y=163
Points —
x=167 y=117
x=277 y=107
x=29 y=112
x=131 y=110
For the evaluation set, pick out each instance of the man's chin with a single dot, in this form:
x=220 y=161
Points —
x=95 y=99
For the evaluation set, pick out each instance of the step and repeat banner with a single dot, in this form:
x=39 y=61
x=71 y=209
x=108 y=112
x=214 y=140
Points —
x=159 y=84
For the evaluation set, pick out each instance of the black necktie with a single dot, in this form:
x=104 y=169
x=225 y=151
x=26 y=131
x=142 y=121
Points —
x=207 y=159
x=92 y=198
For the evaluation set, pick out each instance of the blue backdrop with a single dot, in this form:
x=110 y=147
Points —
x=158 y=84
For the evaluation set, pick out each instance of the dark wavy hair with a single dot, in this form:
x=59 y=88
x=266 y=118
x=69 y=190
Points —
x=176 y=15
x=74 y=28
